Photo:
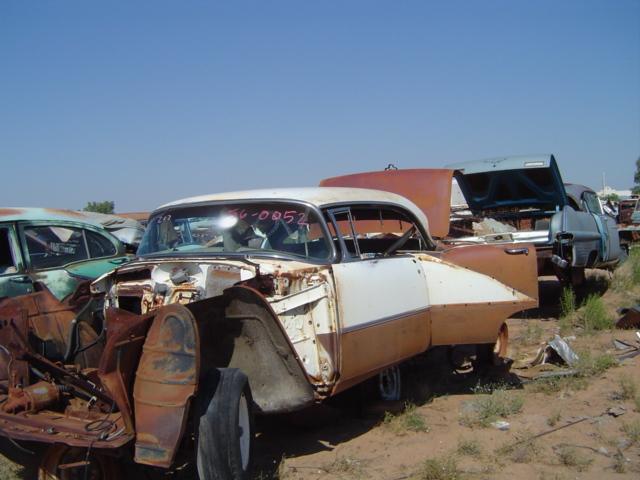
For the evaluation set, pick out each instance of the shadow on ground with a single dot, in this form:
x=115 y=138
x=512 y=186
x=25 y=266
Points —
x=357 y=411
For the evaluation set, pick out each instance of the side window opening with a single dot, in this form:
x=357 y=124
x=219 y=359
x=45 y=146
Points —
x=99 y=246
x=374 y=232
x=592 y=203
x=342 y=223
x=7 y=261
x=54 y=246
x=379 y=229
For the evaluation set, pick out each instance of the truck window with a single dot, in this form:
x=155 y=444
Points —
x=592 y=203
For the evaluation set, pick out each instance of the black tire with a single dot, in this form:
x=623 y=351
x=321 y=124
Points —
x=389 y=384
x=577 y=276
x=223 y=416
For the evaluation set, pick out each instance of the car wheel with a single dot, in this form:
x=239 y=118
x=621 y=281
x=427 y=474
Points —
x=493 y=354
x=224 y=426
x=390 y=384
x=61 y=462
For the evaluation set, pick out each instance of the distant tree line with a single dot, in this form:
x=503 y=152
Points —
x=108 y=206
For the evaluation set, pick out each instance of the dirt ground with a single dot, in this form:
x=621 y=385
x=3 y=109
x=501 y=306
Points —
x=585 y=426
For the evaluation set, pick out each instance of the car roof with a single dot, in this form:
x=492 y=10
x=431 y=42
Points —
x=317 y=196
x=575 y=191
x=27 y=214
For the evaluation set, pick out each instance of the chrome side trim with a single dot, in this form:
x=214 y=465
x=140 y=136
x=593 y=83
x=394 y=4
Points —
x=382 y=321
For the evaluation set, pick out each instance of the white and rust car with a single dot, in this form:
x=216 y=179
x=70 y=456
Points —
x=257 y=302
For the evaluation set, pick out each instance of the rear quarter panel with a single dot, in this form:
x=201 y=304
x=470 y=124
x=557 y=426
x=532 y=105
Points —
x=518 y=271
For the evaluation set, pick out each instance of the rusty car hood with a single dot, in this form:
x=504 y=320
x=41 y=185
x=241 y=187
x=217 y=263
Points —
x=511 y=182
x=428 y=188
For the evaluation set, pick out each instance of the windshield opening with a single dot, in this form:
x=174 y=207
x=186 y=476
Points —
x=275 y=227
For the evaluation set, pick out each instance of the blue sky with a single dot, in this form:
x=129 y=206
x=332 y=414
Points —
x=147 y=102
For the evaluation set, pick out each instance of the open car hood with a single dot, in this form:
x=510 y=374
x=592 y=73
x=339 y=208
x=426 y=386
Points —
x=428 y=188
x=511 y=182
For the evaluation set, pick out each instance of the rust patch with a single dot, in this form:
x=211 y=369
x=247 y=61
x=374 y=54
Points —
x=67 y=213
x=6 y=212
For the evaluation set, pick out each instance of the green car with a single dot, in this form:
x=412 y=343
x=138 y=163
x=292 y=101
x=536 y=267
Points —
x=57 y=248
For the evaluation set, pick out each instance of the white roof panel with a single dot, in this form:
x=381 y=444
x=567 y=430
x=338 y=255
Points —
x=318 y=196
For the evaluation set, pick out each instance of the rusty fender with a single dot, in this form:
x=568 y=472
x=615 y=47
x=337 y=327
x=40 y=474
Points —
x=166 y=379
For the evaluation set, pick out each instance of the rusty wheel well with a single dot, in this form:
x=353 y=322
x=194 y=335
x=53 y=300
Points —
x=240 y=330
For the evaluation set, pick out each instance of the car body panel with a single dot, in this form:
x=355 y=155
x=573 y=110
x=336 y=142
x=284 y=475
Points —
x=369 y=305
x=508 y=182
x=585 y=235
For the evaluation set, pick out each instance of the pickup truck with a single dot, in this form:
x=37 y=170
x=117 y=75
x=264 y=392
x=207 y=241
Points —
x=255 y=302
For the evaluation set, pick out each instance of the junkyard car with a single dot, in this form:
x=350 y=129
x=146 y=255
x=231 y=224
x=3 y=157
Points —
x=56 y=248
x=128 y=230
x=629 y=222
x=255 y=302
x=566 y=222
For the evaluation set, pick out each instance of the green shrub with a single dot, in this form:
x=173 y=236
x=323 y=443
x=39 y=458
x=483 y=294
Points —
x=589 y=365
x=552 y=385
x=634 y=260
x=632 y=430
x=554 y=418
x=408 y=420
x=444 y=468
x=469 y=447
x=628 y=387
x=594 y=316
x=488 y=408
x=567 y=302
x=570 y=457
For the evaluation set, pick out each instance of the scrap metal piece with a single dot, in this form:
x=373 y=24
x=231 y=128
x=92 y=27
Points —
x=622 y=345
x=554 y=350
x=616 y=411
x=32 y=398
x=630 y=317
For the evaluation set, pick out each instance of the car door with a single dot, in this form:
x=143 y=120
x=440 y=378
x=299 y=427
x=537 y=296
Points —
x=610 y=246
x=382 y=303
x=13 y=279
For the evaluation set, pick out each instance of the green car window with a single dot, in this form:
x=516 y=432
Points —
x=54 y=246
x=99 y=246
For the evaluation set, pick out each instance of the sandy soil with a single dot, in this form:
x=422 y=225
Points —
x=349 y=438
